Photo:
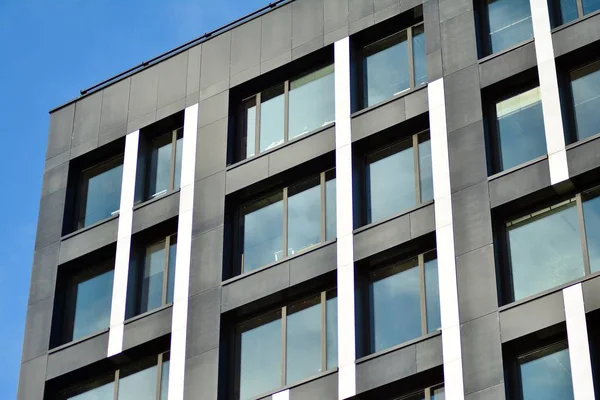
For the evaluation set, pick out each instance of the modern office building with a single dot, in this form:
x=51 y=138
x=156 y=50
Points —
x=330 y=199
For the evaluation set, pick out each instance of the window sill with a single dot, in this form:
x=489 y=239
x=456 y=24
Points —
x=575 y=21
x=489 y=57
x=272 y=265
x=155 y=199
x=148 y=313
x=395 y=216
x=399 y=346
x=78 y=341
x=293 y=385
x=92 y=226
x=281 y=146
x=405 y=93
x=516 y=168
x=582 y=141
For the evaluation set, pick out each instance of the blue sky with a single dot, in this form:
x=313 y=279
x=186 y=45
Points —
x=50 y=49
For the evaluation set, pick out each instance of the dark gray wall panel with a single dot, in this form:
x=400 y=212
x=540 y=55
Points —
x=143 y=94
x=61 y=129
x=307 y=21
x=172 y=76
x=379 y=5
x=50 y=218
x=246 y=174
x=506 y=65
x=431 y=19
x=520 y=183
x=458 y=34
x=422 y=221
x=466 y=148
x=211 y=149
x=429 y=353
x=201 y=376
x=313 y=263
x=359 y=9
x=576 y=36
x=378 y=118
x=476 y=276
x=171 y=109
x=335 y=15
x=115 y=103
x=76 y=356
x=245 y=46
x=472 y=218
x=416 y=103
x=193 y=70
x=213 y=109
x=386 y=368
x=206 y=261
x=591 y=294
x=452 y=8
x=492 y=393
x=463 y=98
x=204 y=317
x=381 y=237
x=55 y=179
x=584 y=157
x=43 y=273
x=322 y=388
x=147 y=328
x=32 y=379
x=209 y=203
x=216 y=57
x=308 y=47
x=88 y=240
x=155 y=212
x=87 y=119
x=37 y=329
x=276 y=33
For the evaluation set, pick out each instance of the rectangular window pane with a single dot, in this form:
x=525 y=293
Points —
x=304 y=353
x=585 y=88
x=103 y=193
x=140 y=385
x=330 y=206
x=260 y=369
x=547 y=377
x=171 y=274
x=419 y=55
x=178 y=154
x=332 y=333
x=271 y=118
x=432 y=296
x=263 y=233
x=159 y=175
x=93 y=299
x=304 y=216
x=104 y=392
x=438 y=394
x=591 y=215
x=311 y=102
x=391 y=182
x=152 y=278
x=520 y=125
x=425 y=168
x=396 y=306
x=250 y=128
x=509 y=23
x=545 y=251
x=590 y=6
x=164 y=381
x=386 y=67
x=568 y=10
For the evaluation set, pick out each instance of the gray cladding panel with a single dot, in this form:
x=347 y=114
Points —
x=61 y=129
x=472 y=218
x=216 y=57
x=312 y=264
x=335 y=15
x=506 y=65
x=459 y=44
x=325 y=387
x=246 y=174
x=576 y=36
x=276 y=33
x=43 y=273
x=50 y=218
x=32 y=379
x=245 y=46
x=491 y=393
x=37 y=329
x=422 y=221
x=55 y=179
x=591 y=294
x=476 y=276
x=77 y=356
x=209 y=203
x=519 y=183
x=467 y=156
x=115 y=103
x=147 y=328
x=307 y=21
x=88 y=241
x=211 y=149
x=87 y=119
x=172 y=76
x=381 y=237
x=204 y=317
x=429 y=353
x=143 y=94
x=463 y=98
x=359 y=9
x=155 y=212
x=201 y=376
x=386 y=368
x=193 y=71
x=584 y=157
x=378 y=118
x=206 y=261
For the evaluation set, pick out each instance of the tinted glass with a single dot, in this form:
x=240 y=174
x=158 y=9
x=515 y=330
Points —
x=332 y=347
x=271 y=118
x=250 y=130
x=396 y=313
x=171 y=274
x=545 y=251
x=104 y=392
x=590 y=6
x=93 y=299
x=330 y=210
x=425 y=169
x=303 y=343
x=304 y=217
x=509 y=23
x=591 y=215
x=140 y=385
x=260 y=369
x=520 y=126
x=585 y=86
x=568 y=10
x=438 y=394
x=548 y=377
x=164 y=381
x=391 y=184
x=103 y=195
x=263 y=246
x=419 y=55
x=432 y=296
x=386 y=68
x=160 y=166
x=178 y=154
x=311 y=102
x=152 y=278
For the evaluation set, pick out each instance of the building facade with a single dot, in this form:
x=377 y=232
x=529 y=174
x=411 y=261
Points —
x=330 y=199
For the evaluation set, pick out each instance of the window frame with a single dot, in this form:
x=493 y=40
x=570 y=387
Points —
x=362 y=69
x=176 y=134
x=281 y=313
x=426 y=393
x=484 y=31
x=323 y=177
x=256 y=100
x=572 y=136
x=556 y=17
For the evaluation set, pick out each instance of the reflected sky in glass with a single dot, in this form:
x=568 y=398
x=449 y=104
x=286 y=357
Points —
x=250 y=131
x=330 y=210
x=152 y=278
x=545 y=251
x=104 y=392
x=591 y=216
x=303 y=344
x=103 y=195
x=271 y=119
x=568 y=10
x=585 y=86
x=510 y=23
x=263 y=246
x=164 y=380
x=432 y=296
x=171 y=273
x=438 y=394
x=260 y=360
x=160 y=169
x=425 y=171
x=178 y=155
x=521 y=128
x=304 y=219
x=396 y=313
x=140 y=385
x=590 y=6
x=92 y=305
x=391 y=185
x=312 y=102
x=547 y=377
x=332 y=347
x=387 y=70
x=419 y=55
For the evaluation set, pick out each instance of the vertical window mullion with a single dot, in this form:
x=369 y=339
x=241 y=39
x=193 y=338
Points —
x=323 y=208
x=286 y=110
x=417 y=169
x=411 y=61
x=323 y=331
x=159 y=376
x=283 y=345
x=582 y=234
x=428 y=393
x=285 y=222
x=116 y=394
x=423 y=295
x=166 y=269
x=579 y=8
x=257 y=134
x=173 y=157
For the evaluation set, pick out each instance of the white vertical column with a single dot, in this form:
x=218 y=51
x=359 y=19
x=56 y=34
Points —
x=345 y=225
x=283 y=395
x=119 y=293
x=182 y=260
x=444 y=232
x=553 y=124
x=579 y=351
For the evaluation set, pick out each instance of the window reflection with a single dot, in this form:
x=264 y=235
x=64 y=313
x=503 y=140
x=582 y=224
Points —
x=438 y=394
x=509 y=23
x=330 y=206
x=425 y=168
x=332 y=332
x=164 y=164
x=263 y=246
x=138 y=385
x=585 y=88
x=547 y=375
x=101 y=192
x=304 y=357
x=304 y=216
x=419 y=55
x=432 y=294
x=271 y=118
x=92 y=299
x=590 y=6
x=104 y=392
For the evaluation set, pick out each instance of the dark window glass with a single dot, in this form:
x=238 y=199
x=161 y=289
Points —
x=520 y=129
x=92 y=299
x=545 y=250
x=164 y=381
x=546 y=375
x=590 y=6
x=101 y=192
x=304 y=215
x=585 y=89
x=509 y=23
x=330 y=206
x=249 y=138
x=263 y=232
x=568 y=10
x=164 y=164
x=591 y=214
x=425 y=168
x=171 y=269
x=432 y=293
x=272 y=108
x=138 y=385
x=304 y=349
x=419 y=55
x=332 y=333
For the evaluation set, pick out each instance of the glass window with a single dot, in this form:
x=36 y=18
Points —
x=438 y=393
x=407 y=292
x=509 y=23
x=545 y=250
x=569 y=10
x=164 y=164
x=332 y=332
x=546 y=374
x=303 y=340
x=249 y=128
x=271 y=118
x=585 y=89
x=394 y=64
x=590 y=6
x=520 y=129
x=591 y=215
x=90 y=299
x=101 y=192
x=308 y=209
x=104 y=392
x=138 y=384
x=393 y=185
